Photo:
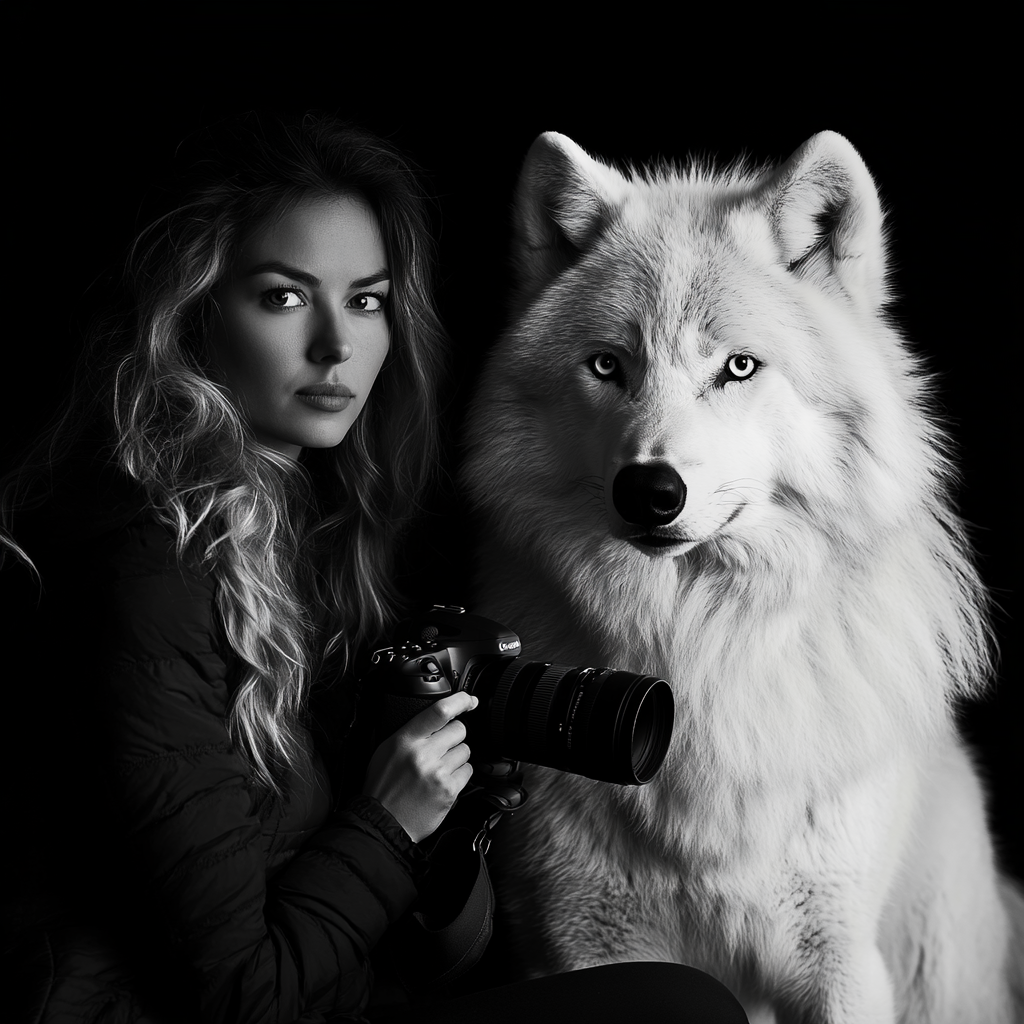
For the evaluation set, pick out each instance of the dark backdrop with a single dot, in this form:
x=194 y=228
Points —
x=98 y=107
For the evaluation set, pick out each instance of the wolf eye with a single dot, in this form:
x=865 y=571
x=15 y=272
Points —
x=739 y=367
x=604 y=366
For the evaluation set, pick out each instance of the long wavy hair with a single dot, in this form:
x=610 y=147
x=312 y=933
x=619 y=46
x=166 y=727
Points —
x=302 y=553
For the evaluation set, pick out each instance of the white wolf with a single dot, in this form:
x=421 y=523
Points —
x=701 y=451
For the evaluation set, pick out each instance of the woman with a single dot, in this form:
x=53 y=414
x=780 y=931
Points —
x=213 y=525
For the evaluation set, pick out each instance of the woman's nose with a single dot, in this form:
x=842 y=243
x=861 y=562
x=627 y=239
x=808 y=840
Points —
x=329 y=344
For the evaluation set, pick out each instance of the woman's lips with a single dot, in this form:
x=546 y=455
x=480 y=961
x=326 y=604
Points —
x=330 y=397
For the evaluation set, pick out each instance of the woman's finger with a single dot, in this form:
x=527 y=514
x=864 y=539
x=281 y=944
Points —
x=440 y=713
x=456 y=756
x=452 y=734
x=461 y=776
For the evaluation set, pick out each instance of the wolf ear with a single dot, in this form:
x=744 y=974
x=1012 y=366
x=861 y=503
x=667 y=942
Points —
x=824 y=210
x=563 y=199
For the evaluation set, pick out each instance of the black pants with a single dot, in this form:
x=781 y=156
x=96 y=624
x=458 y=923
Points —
x=647 y=993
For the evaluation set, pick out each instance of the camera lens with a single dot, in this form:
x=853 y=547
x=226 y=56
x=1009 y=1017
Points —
x=606 y=724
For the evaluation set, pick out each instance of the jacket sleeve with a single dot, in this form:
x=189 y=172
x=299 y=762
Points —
x=259 y=950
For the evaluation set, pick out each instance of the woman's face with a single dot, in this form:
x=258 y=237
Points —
x=302 y=331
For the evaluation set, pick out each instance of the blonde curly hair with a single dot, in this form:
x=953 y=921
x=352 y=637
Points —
x=302 y=553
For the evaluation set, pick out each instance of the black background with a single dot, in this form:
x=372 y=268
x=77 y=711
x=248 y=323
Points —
x=98 y=106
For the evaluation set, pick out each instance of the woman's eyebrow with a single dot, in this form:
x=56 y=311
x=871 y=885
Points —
x=381 y=275
x=277 y=267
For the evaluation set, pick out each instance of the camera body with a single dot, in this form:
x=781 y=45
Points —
x=606 y=724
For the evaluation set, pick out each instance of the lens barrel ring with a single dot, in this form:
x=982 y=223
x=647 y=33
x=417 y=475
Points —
x=584 y=701
x=538 y=720
x=505 y=688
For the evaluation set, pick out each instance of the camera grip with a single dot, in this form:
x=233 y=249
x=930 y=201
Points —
x=398 y=710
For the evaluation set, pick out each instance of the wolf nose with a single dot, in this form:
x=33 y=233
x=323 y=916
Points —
x=648 y=494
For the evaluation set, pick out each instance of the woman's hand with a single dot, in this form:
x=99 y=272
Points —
x=419 y=771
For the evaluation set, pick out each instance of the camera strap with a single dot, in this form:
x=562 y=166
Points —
x=499 y=788
x=450 y=929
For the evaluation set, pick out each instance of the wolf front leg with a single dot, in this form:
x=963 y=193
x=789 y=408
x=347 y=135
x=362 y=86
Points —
x=849 y=988
x=857 y=990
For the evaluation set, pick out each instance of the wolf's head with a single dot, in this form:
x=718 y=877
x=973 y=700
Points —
x=699 y=364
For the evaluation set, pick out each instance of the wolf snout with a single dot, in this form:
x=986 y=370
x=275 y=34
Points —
x=648 y=494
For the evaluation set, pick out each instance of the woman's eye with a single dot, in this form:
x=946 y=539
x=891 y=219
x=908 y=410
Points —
x=739 y=367
x=283 y=298
x=367 y=302
x=604 y=365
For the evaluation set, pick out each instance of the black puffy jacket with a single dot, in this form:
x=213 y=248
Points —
x=150 y=883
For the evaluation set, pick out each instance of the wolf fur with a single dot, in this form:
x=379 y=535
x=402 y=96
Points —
x=816 y=838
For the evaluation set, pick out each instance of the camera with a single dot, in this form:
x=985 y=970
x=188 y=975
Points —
x=609 y=725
